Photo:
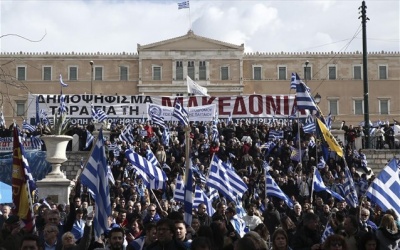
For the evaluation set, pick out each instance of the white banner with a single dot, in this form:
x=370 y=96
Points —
x=204 y=113
x=6 y=144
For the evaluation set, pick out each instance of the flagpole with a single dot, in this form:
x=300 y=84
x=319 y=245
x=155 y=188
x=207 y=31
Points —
x=299 y=135
x=312 y=185
x=190 y=19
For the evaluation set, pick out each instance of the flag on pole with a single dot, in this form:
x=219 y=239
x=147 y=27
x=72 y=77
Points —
x=179 y=192
x=329 y=138
x=180 y=113
x=183 y=5
x=62 y=82
x=319 y=185
x=37 y=118
x=165 y=137
x=350 y=192
x=23 y=184
x=98 y=114
x=157 y=119
x=188 y=203
x=126 y=135
x=303 y=97
x=294 y=80
x=201 y=197
x=43 y=116
x=139 y=162
x=95 y=177
x=295 y=155
x=28 y=127
x=385 y=189
x=89 y=139
x=63 y=105
x=194 y=88
x=327 y=232
x=36 y=142
x=272 y=189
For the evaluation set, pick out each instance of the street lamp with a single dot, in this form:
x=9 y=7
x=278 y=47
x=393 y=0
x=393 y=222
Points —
x=91 y=78
x=305 y=72
x=317 y=98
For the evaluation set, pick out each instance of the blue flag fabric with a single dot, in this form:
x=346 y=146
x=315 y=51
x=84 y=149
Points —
x=188 y=203
x=139 y=162
x=201 y=197
x=179 y=193
x=89 y=139
x=126 y=135
x=319 y=185
x=94 y=176
x=183 y=5
x=350 y=192
x=180 y=113
x=385 y=189
x=98 y=114
x=272 y=189
x=303 y=97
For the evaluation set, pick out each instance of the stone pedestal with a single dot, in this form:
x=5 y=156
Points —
x=55 y=184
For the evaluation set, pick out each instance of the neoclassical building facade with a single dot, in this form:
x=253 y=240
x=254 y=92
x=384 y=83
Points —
x=161 y=68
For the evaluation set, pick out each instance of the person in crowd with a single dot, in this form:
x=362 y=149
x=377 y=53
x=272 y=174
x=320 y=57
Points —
x=181 y=233
x=152 y=215
x=335 y=242
x=220 y=211
x=352 y=232
x=280 y=240
x=250 y=218
x=201 y=213
x=368 y=241
x=365 y=223
x=69 y=240
x=30 y=242
x=6 y=210
x=166 y=237
x=308 y=235
x=50 y=237
x=388 y=233
x=79 y=225
x=134 y=229
x=262 y=230
x=142 y=242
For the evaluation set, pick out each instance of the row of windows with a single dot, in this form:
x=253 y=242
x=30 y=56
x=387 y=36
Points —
x=332 y=72
x=202 y=72
x=358 y=106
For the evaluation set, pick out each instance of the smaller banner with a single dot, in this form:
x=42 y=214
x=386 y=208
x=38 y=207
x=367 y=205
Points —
x=205 y=113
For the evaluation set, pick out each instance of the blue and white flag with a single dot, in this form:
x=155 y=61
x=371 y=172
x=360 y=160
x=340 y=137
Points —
x=350 y=192
x=157 y=120
x=158 y=182
x=126 y=135
x=62 y=82
x=89 y=139
x=2 y=120
x=385 y=189
x=309 y=127
x=36 y=142
x=139 y=162
x=321 y=164
x=152 y=158
x=28 y=127
x=94 y=176
x=327 y=232
x=319 y=185
x=98 y=114
x=294 y=80
x=303 y=98
x=238 y=224
x=110 y=175
x=272 y=189
x=43 y=116
x=328 y=121
x=212 y=193
x=188 y=203
x=201 y=197
x=179 y=192
x=215 y=133
x=165 y=137
x=180 y=113
x=222 y=178
x=276 y=134
x=230 y=117
x=183 y=5
x=63 y=105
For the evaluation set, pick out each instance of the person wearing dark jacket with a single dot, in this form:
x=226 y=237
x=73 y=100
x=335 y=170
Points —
x=388 y=233
x=308 y=236
x=272 y=218
x=166 y=237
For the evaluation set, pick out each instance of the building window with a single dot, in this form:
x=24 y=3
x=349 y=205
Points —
x=179 y=70
x=384 y=107
x=358 y=107
x=225 y=73
x=334 y=107
x=20 y=108
x=190 y=70
x=357 y=72
x=281 y=73
x=156 y=73
x=123 y=73
x=256 y=72
x=46 y=73
x=73 y=73
x=332 y=72
x=98 y=73
x=202 y=70
x=382 y=72
x=21 y=73
x=307 y=73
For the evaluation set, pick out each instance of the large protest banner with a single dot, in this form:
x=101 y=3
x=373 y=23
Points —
x=134 y=108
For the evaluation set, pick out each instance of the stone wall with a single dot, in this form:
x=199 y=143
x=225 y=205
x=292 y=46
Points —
x=71 y=167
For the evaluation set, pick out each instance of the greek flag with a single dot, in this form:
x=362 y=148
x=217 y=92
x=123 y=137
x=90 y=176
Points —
x=126 y=135
x=272 y=189
x=319 y=185
x=89 y=139
x=157 y=120
x=180 y=113
x=328 y=121
x=43 y=116
x=224 y=179
x=276 y=134
x=63 y=106
x=179 y=193
x=303 y=97
x=327 y=232
x=36 y=141
x=28 y=127
x=110 y=175
x=238 y=224
x=151 y=157
x=309 y=127
x=350 y=192
x=183 y=5
x=294 y=80
x=62 y=82
x=140 y=163
x=2 y=120
x=188 y=203
x=98 y=114
x=94 y=176
x=212 y=193
x=321 y=164
x=215 y=133
x=385 y=189
x=165 y=137
x=158 y=182
x=201 y=197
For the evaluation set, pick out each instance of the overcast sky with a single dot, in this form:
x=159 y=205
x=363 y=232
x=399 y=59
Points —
x=265 y=26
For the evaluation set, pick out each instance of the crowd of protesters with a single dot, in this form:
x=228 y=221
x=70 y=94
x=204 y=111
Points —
x=152 y=219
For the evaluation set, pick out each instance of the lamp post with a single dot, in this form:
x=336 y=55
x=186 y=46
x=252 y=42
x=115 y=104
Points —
x=91 y=77
x=305 y=72
x=317 y=100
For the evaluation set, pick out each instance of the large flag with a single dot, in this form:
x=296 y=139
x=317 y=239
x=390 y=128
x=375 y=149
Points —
x=22 y=184
x=201 y=197
x=350 y=192
x=319 y=185
x=98 y=114
x=139 y=162
x=158 y=182
x=329 y=138
x=95 y=177
x=126 y=135
x=188 y=203
x=183 y=5
x=272 y=189
x=62 y=82
x=180 y=113
x=385 y=189
x=194 y=88
x=303 y=97
x=224 y=179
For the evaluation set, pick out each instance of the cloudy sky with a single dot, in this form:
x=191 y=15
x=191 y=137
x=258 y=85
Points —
x=265 y=26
